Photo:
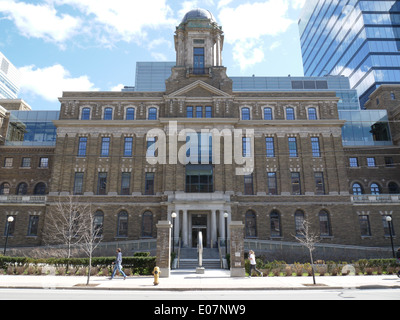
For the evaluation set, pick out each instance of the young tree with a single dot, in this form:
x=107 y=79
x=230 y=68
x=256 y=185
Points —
x=64 y=223
x=308 y=238
x=91 y=238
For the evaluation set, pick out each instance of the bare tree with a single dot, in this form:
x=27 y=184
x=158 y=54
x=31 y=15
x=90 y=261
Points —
x=308 y=238
x=92 y=237
x=65 y=223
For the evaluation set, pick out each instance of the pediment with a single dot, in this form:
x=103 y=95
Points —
x=198 y=89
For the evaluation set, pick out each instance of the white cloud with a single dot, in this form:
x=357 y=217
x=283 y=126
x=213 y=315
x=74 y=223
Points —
x=118 y=87
x=297 y=4
x=246 y=25
x=253 y=20
x=50 y=82
x=122 y=19
x=40 y=21
x=248 y=53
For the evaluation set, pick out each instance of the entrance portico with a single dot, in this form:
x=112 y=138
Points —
x=199 y=212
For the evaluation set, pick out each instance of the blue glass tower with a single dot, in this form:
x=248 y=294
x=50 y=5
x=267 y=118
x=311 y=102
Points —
x=352 y=38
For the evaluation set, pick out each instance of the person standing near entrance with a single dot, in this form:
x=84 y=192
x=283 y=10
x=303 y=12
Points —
x=118 y=265
x=253 y=263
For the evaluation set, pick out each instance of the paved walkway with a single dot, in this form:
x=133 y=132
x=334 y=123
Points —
x=188 y=280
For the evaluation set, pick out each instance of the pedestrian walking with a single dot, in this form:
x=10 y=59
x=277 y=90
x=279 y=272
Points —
x=398 y=261
x=118 y=265
x=253 y=263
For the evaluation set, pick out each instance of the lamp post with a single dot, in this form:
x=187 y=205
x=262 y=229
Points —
x=226 y=215
x=9 y=221
x=173 y=215
x=389 y=221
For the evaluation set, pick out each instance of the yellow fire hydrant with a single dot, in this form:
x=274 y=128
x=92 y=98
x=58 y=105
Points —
x=156 y=274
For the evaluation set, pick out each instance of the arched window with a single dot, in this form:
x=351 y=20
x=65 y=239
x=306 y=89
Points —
x=312 y=114
x=325 y=224
x=5 y=189
x=290 y=113
x=394 y=188
x=40 y=189
x=275 y=220
x=245 y=114
x=108 y=114
x=251 y=224
x=130 y=114
x=375 y=189
x=85 y=114
x=268 y=114
x=152 y=114
x=98 y=223
x=122 y=227
x=147 y=225
x=299 y=222
x=22 y=189
x=357 y=189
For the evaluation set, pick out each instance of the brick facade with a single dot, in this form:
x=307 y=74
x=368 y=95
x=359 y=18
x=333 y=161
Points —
x=100 y=156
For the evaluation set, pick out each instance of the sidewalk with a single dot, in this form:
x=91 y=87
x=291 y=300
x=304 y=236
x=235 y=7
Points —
x=188 y=280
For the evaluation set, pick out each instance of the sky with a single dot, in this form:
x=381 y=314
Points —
x=93 y=45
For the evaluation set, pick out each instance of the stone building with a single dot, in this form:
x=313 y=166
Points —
x=201 y=150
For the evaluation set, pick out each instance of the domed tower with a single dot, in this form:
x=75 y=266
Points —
x=199 y=42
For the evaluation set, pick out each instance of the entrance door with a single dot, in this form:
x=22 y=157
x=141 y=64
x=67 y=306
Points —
x=199 y=223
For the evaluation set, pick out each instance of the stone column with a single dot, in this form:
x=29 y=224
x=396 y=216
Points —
x=164 y=248
x=185 y=234
x=213 y=228
x=237 y=249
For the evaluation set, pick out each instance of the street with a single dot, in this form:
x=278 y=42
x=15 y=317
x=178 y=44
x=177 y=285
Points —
x=334 y=294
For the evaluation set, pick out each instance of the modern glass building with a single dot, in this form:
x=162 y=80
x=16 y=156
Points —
x=356 y=39
x=32 y=128
x=9 y=79
x=151 y=76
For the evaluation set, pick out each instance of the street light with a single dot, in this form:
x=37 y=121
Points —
x=389 y=221
x=9 y=221
x=173 y=215
x=226 y=215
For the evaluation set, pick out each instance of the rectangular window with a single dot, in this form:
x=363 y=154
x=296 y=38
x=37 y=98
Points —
x=246 y=147
x=293 y=148
x=198 y=61
x=149 y=184
x=199 y=179
x=82 y=146
x=270 y=147
x=365 y=226
x=102 y=184
x=189 y=112
x=44 y=163
x=386 y=227
x=296 y=186
x=199 y=112
x=319 y=183
x=272 y=183
x=353 y=162
x=316 y=150
x=78 y=183
x=248 y=185
x=8 y=162
x=128 y=146
x=125 y=184
x=208 y=112
x=151 y=147
x=33 y=226
x=105 y=147
x=26 y=163
x=371 y=162
x=389 y=163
